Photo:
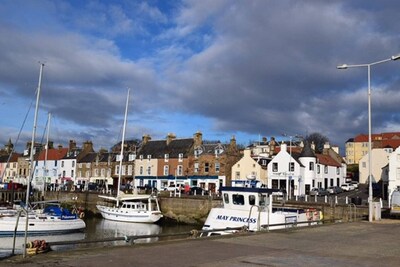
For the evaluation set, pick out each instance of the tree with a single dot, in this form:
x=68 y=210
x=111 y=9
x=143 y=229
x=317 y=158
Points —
x=318 y=139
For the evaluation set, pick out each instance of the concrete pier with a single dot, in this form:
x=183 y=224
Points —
x=343 y=244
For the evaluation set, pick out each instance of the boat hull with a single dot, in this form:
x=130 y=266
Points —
x=40 y=225
x=220 y=218
x=126 y=215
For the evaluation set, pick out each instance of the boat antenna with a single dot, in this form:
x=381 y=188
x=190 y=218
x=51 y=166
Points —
x=122 y=147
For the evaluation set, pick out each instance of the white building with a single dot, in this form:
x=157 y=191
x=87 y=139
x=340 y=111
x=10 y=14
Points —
x=305 y=170
x=394 y=171
x=379 y=159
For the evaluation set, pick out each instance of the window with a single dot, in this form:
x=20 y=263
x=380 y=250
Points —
x=237 y=175
x=291 y=166
x=63 y=174
x=87 y=165
x=87 y=174
x=226 y=198
x=311 y=166
x=73 y=163
x=206 y=167
x=180 y=170
x=252 y=200
x=318 y=168
x=141 y=170
x=326 y=169
x=102 y=172
x=166 y=157
x=180 y=157
x=217 y=166
x=166 y=169
x=62 y=164
x=130 y=167
x=141 y=157
x=72 y=173
x=132 y=157
x=275 y=166
x=148 y=157
x=364 y=164
x=55 y=163
x=238 y=199
x=148 y=170
x=196 y=167
x=337 y=170
x=117 y=169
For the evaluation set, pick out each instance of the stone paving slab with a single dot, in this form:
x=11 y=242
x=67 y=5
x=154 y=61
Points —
x=344 y=244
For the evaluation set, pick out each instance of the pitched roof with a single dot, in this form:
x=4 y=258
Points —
x=53 y=154
x=327 y=160
x=158 y=148
x=90 y=157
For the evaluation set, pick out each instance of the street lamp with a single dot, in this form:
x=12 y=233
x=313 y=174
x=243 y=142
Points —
x=345 y=66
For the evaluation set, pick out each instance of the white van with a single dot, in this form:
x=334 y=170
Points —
x=395 y=203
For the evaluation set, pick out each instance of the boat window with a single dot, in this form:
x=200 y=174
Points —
x=252 y=200
x=238 y=199
x=226 y=198
x=262 y=200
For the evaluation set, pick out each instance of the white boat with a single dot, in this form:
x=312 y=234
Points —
x=52 y=220
x=30 y=222
x=129 y=207
x=251 y=208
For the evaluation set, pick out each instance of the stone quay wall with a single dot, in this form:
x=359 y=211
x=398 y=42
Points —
x=194 y=209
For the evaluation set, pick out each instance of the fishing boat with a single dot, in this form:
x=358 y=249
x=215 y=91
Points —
x=251 y=208
x=129 y=207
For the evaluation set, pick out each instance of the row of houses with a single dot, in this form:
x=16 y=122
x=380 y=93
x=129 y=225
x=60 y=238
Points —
x=294 y=167
x=155 y=163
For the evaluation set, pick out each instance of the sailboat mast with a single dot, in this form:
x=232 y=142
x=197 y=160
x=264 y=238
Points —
x=47 y=152
x=122 y=146
x=28 y=186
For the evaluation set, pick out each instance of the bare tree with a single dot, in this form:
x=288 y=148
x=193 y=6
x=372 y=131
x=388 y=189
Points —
x=318 y=139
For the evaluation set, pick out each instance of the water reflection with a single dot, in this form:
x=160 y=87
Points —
x=118 y=229
x=98 y=229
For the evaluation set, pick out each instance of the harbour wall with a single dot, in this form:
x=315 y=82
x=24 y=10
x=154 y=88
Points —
x=194 y=209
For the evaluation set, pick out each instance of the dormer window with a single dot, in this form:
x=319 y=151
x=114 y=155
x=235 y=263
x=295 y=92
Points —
x=197 y=152
x=166 y=157
x=141 y=157
x=180 y=157
x=132 y=157
x=149 y=157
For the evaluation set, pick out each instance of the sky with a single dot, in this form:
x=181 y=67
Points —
x=246 y=68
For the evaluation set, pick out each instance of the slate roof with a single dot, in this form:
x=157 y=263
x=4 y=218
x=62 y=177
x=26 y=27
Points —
x=307 y=151
x=158 y=148
x=90 y=157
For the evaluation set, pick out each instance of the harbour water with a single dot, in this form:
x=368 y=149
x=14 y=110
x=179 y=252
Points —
x=98 y=229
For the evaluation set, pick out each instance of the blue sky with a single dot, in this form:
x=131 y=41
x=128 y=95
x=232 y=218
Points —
x=226 y=68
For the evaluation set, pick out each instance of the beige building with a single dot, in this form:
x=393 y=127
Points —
x=248 y=168
x=379 y=159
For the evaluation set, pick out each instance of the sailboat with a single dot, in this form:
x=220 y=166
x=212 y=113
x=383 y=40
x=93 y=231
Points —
x=27 y=221
x=129 y=207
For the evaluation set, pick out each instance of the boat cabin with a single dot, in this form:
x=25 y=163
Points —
x=243 y=198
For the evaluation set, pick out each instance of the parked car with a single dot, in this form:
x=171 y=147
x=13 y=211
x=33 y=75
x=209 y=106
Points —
x=355 y=184
x=318 y=192
x=333 y=190
x=347 y=187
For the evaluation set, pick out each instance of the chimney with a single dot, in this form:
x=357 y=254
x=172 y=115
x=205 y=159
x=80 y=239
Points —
x=59 y=147
x=146 y=138
x=313 y=145
x=170 y=137
x=264 y=139
x=326 y=145
x=233 y=141
x=72 y=145
x=198 y=138
x=88 y=146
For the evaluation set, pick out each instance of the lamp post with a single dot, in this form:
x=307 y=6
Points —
x=345 y=66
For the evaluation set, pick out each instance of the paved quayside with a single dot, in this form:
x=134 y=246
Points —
x=343 y=244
